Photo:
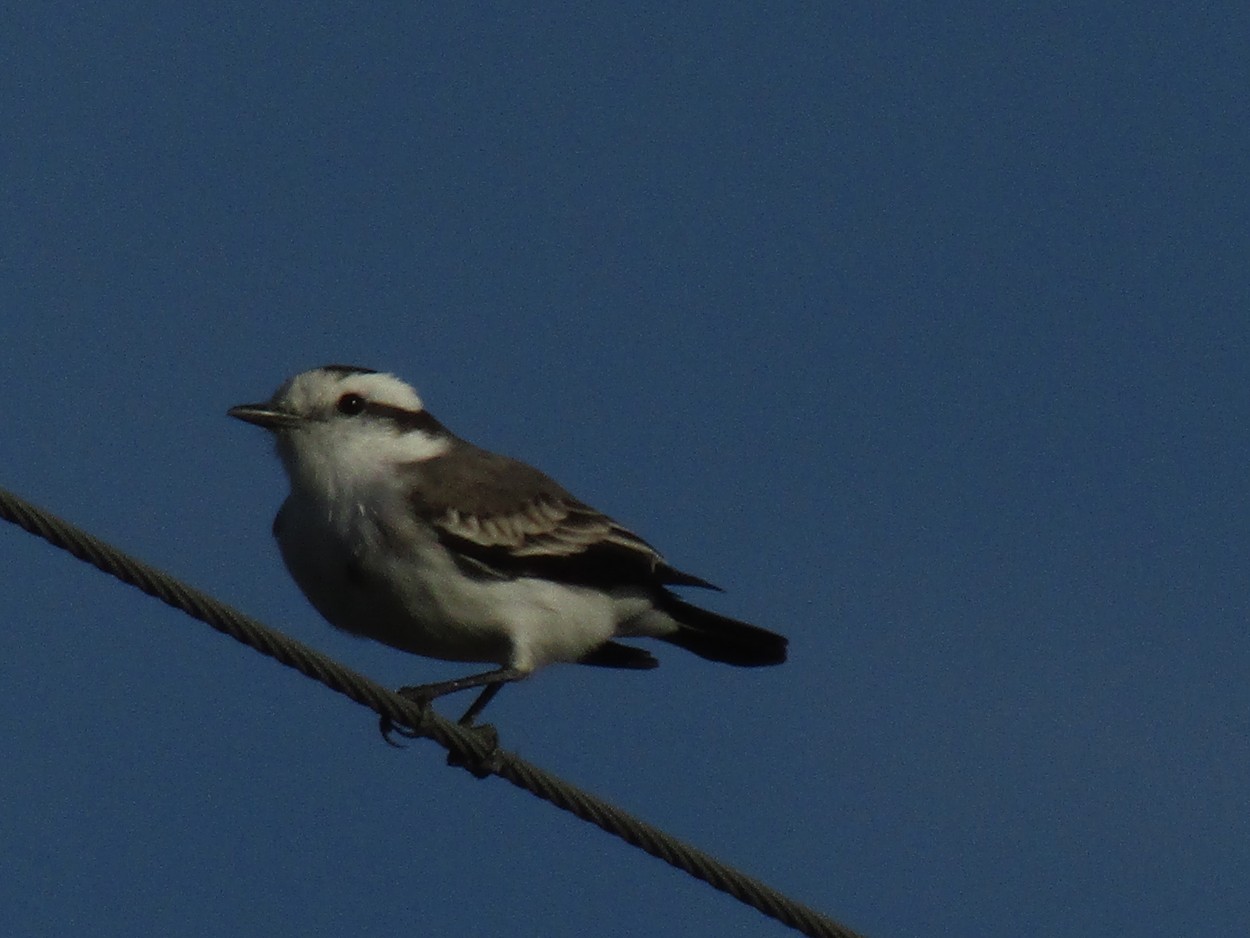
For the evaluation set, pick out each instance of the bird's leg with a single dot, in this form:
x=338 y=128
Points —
x=422 y=694
x=486 y=696
x=492 y=680
x=484 y=767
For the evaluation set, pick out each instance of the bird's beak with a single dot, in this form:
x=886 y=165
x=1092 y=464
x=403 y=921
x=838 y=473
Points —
x=265 y=416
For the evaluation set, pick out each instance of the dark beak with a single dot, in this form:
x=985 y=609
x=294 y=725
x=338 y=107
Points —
x=262 y=415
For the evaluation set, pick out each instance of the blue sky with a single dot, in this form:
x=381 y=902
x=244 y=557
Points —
x=923 y=331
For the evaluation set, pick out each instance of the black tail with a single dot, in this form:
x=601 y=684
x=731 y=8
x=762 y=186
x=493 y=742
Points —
x=719 y=638
x=613 y=655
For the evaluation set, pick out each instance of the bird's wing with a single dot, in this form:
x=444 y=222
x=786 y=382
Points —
x=516 y=521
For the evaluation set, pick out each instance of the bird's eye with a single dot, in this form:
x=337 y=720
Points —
x=351 y=404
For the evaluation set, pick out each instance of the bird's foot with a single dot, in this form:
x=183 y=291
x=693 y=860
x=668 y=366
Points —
x=387 y=726
x=483 y=766
x=419 y=695
x=422 y=694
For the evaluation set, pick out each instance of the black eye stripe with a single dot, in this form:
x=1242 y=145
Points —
x=404 y=419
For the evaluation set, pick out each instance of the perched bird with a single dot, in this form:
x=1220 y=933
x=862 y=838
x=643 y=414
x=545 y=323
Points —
x=398 y=530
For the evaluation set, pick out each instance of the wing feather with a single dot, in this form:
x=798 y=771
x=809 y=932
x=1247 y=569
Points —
x=517 y=521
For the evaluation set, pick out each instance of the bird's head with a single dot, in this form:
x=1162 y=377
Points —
x=341 y=419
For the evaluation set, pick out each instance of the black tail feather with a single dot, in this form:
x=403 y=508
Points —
x=614 y=655
x=719 y=638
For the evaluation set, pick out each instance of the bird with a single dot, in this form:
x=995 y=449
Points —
x=398 y=530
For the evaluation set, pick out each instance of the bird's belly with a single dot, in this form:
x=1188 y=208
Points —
x=418 y=600
x=366 y=587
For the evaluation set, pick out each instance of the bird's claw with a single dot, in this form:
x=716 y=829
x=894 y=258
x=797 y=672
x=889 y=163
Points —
x=488 y=764
x=387 y=726
x=482 y=767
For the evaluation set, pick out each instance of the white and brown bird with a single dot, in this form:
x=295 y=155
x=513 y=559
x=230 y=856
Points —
x=398 y=530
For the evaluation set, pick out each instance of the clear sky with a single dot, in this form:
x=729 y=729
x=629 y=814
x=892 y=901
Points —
x=922 y=329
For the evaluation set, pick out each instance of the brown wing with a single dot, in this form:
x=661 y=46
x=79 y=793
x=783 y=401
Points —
x=517 y=521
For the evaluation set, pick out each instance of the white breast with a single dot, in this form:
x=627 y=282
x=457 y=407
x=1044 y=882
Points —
x=374 y=571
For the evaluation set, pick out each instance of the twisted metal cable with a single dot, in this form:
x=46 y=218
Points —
x=473 y=749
